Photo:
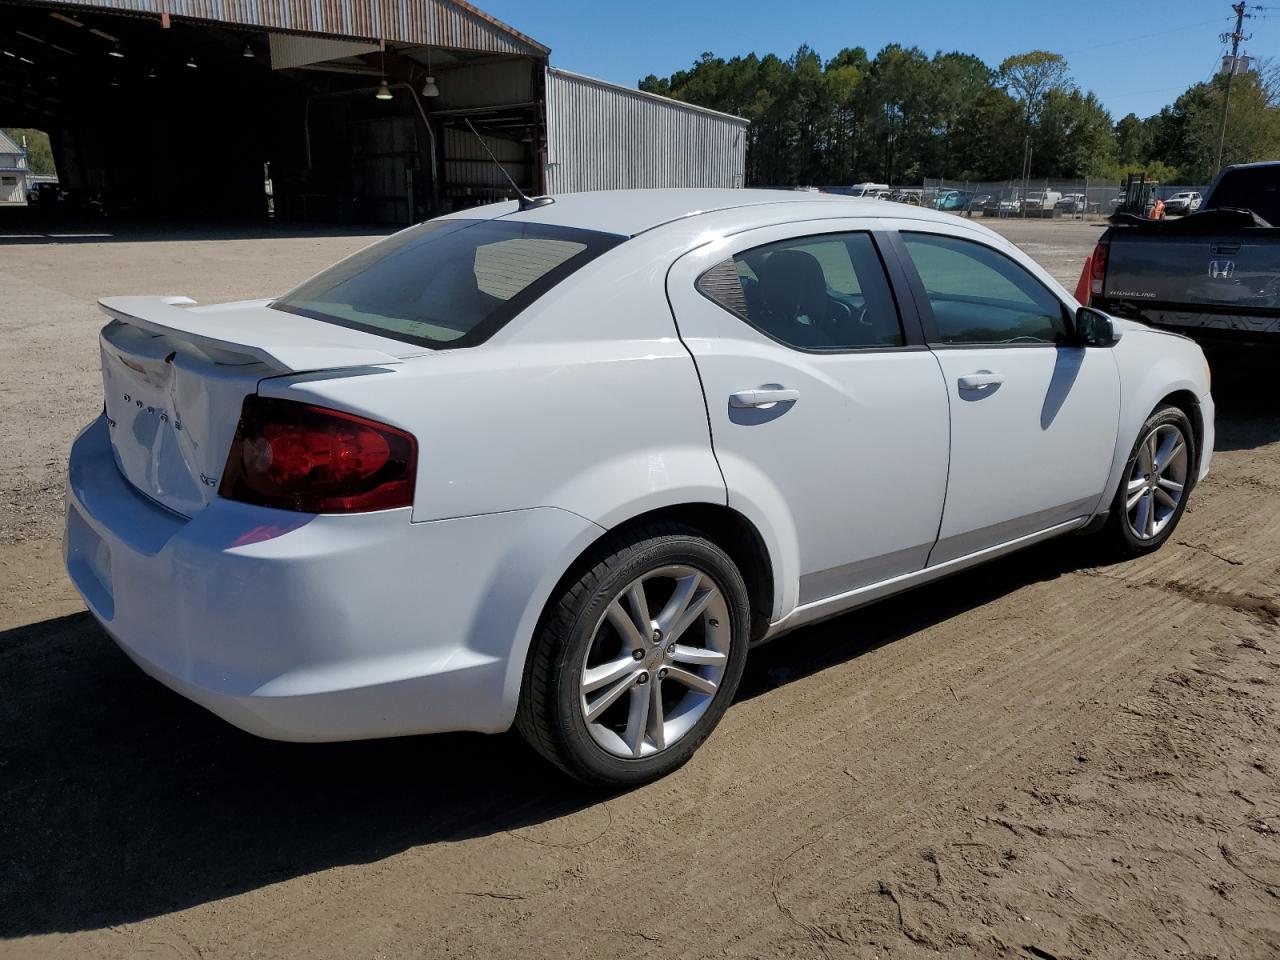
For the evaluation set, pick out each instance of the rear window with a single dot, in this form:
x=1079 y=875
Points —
x=1256 y=189
x=446 y=283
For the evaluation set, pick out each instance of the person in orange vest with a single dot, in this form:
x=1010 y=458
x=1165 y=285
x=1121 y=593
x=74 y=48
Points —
x=1157 y=212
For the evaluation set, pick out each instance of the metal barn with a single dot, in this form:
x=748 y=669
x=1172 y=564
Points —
x=330 y=110
x=601 y=136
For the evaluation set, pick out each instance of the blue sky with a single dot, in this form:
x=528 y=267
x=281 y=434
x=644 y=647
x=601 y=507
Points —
x=624 y=41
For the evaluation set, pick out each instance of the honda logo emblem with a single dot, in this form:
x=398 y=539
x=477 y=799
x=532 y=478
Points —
x=1221 y=269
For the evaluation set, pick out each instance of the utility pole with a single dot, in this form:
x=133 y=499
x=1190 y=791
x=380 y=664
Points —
x=1236 y=36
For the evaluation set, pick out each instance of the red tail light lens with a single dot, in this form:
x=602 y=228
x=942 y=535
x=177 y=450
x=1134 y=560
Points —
x=1099 y=268
x=295 y=456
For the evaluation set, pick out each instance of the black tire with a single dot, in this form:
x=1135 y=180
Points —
x=1118 y=533
x=550 y=715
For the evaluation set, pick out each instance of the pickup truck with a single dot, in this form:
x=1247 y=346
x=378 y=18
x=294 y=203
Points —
x=1212 y=275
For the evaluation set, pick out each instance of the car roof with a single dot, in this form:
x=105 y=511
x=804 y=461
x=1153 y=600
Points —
x=630 y=212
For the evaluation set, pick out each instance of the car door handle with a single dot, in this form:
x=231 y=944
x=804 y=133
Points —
x=980 y=380
x=763 y=397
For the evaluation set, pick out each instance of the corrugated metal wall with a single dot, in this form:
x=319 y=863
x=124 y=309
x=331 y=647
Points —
x=442 y=23
x=605 y=137
x=467 y=166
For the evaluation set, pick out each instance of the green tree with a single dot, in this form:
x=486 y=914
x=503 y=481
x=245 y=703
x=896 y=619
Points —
x=1252 y=131
x=1031 y=77
x=1133 y=139
x=1074 y=137
x=39 y=151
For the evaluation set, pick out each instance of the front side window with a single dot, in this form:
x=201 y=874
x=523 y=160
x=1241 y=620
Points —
x=826 y=292
x=980 y=296
x=446 y=283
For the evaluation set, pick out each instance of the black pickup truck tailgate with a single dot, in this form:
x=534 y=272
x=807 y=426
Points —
x=1239 y=271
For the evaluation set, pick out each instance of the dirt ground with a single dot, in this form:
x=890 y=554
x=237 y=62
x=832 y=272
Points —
x=1041 y=758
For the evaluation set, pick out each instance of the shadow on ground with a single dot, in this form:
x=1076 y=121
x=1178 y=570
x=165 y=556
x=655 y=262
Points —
x=120 y=800
x=1245 y=394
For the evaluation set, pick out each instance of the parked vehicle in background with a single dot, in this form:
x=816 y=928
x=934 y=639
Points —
x=800 y=404
x=1012 y=204
x=907 y=195
x=1042 y=199
x=867 y=189
x=953 y=200
x=1212 y=274
x=1073 y=203
x=1183 y=203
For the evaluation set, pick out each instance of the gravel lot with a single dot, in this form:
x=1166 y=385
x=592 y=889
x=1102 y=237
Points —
x=1041 y=758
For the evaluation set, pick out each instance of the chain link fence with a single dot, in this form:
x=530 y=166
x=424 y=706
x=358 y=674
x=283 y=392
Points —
x=1027 y=199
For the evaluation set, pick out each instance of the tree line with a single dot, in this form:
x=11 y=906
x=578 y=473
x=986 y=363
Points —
x=903 y=115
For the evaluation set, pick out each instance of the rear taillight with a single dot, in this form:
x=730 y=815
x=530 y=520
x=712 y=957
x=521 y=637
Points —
x=1099 y=270
x=296 y=456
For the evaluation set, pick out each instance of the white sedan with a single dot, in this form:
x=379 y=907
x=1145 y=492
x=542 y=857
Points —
x=560 y=467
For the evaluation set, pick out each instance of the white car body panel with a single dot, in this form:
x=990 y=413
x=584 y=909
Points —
x=585 y=411
x=860 y=505
x=1027 y=453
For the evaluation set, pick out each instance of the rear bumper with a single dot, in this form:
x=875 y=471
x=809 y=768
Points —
x=1217 y=324
x=302 y=627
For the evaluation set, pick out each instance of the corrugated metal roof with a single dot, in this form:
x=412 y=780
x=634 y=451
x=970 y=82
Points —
x=8 y=146
x=604 y=137
x=440 y=23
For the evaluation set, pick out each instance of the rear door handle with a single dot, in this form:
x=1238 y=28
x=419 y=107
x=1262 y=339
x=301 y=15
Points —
x=980 y=380
x=763 y=397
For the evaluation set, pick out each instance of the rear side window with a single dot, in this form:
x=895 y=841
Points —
x=1256 y=189
x=446 y=283
x=979 y=296
x=827 y=292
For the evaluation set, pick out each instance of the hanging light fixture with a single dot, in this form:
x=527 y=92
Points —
x=384 y=92
x=191 y=62
x=151 y=74
x=116 y=52
x=429 y=88
x=248 y=53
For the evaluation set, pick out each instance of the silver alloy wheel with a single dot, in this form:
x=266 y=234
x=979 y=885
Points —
x=648 y=677
x=1157 y=482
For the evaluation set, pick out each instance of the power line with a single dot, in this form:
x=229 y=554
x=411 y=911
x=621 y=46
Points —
x=1147 y=36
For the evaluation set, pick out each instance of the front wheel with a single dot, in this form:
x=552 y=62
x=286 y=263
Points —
x=1155 y=484
x=638 y=659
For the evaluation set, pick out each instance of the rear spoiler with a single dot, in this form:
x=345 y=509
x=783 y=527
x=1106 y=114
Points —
x=284 y=341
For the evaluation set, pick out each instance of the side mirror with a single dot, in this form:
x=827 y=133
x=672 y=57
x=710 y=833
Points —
x=1095 y=328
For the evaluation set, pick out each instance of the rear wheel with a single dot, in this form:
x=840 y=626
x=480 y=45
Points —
x=638 y=659
x=1155 y=484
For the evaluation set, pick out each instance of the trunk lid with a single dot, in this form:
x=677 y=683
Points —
x=175 y=376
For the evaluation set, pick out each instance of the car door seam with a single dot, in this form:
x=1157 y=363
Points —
x=946 y=487
x=697 y=371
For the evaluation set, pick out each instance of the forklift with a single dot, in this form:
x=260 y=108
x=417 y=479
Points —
x=1139 y=195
